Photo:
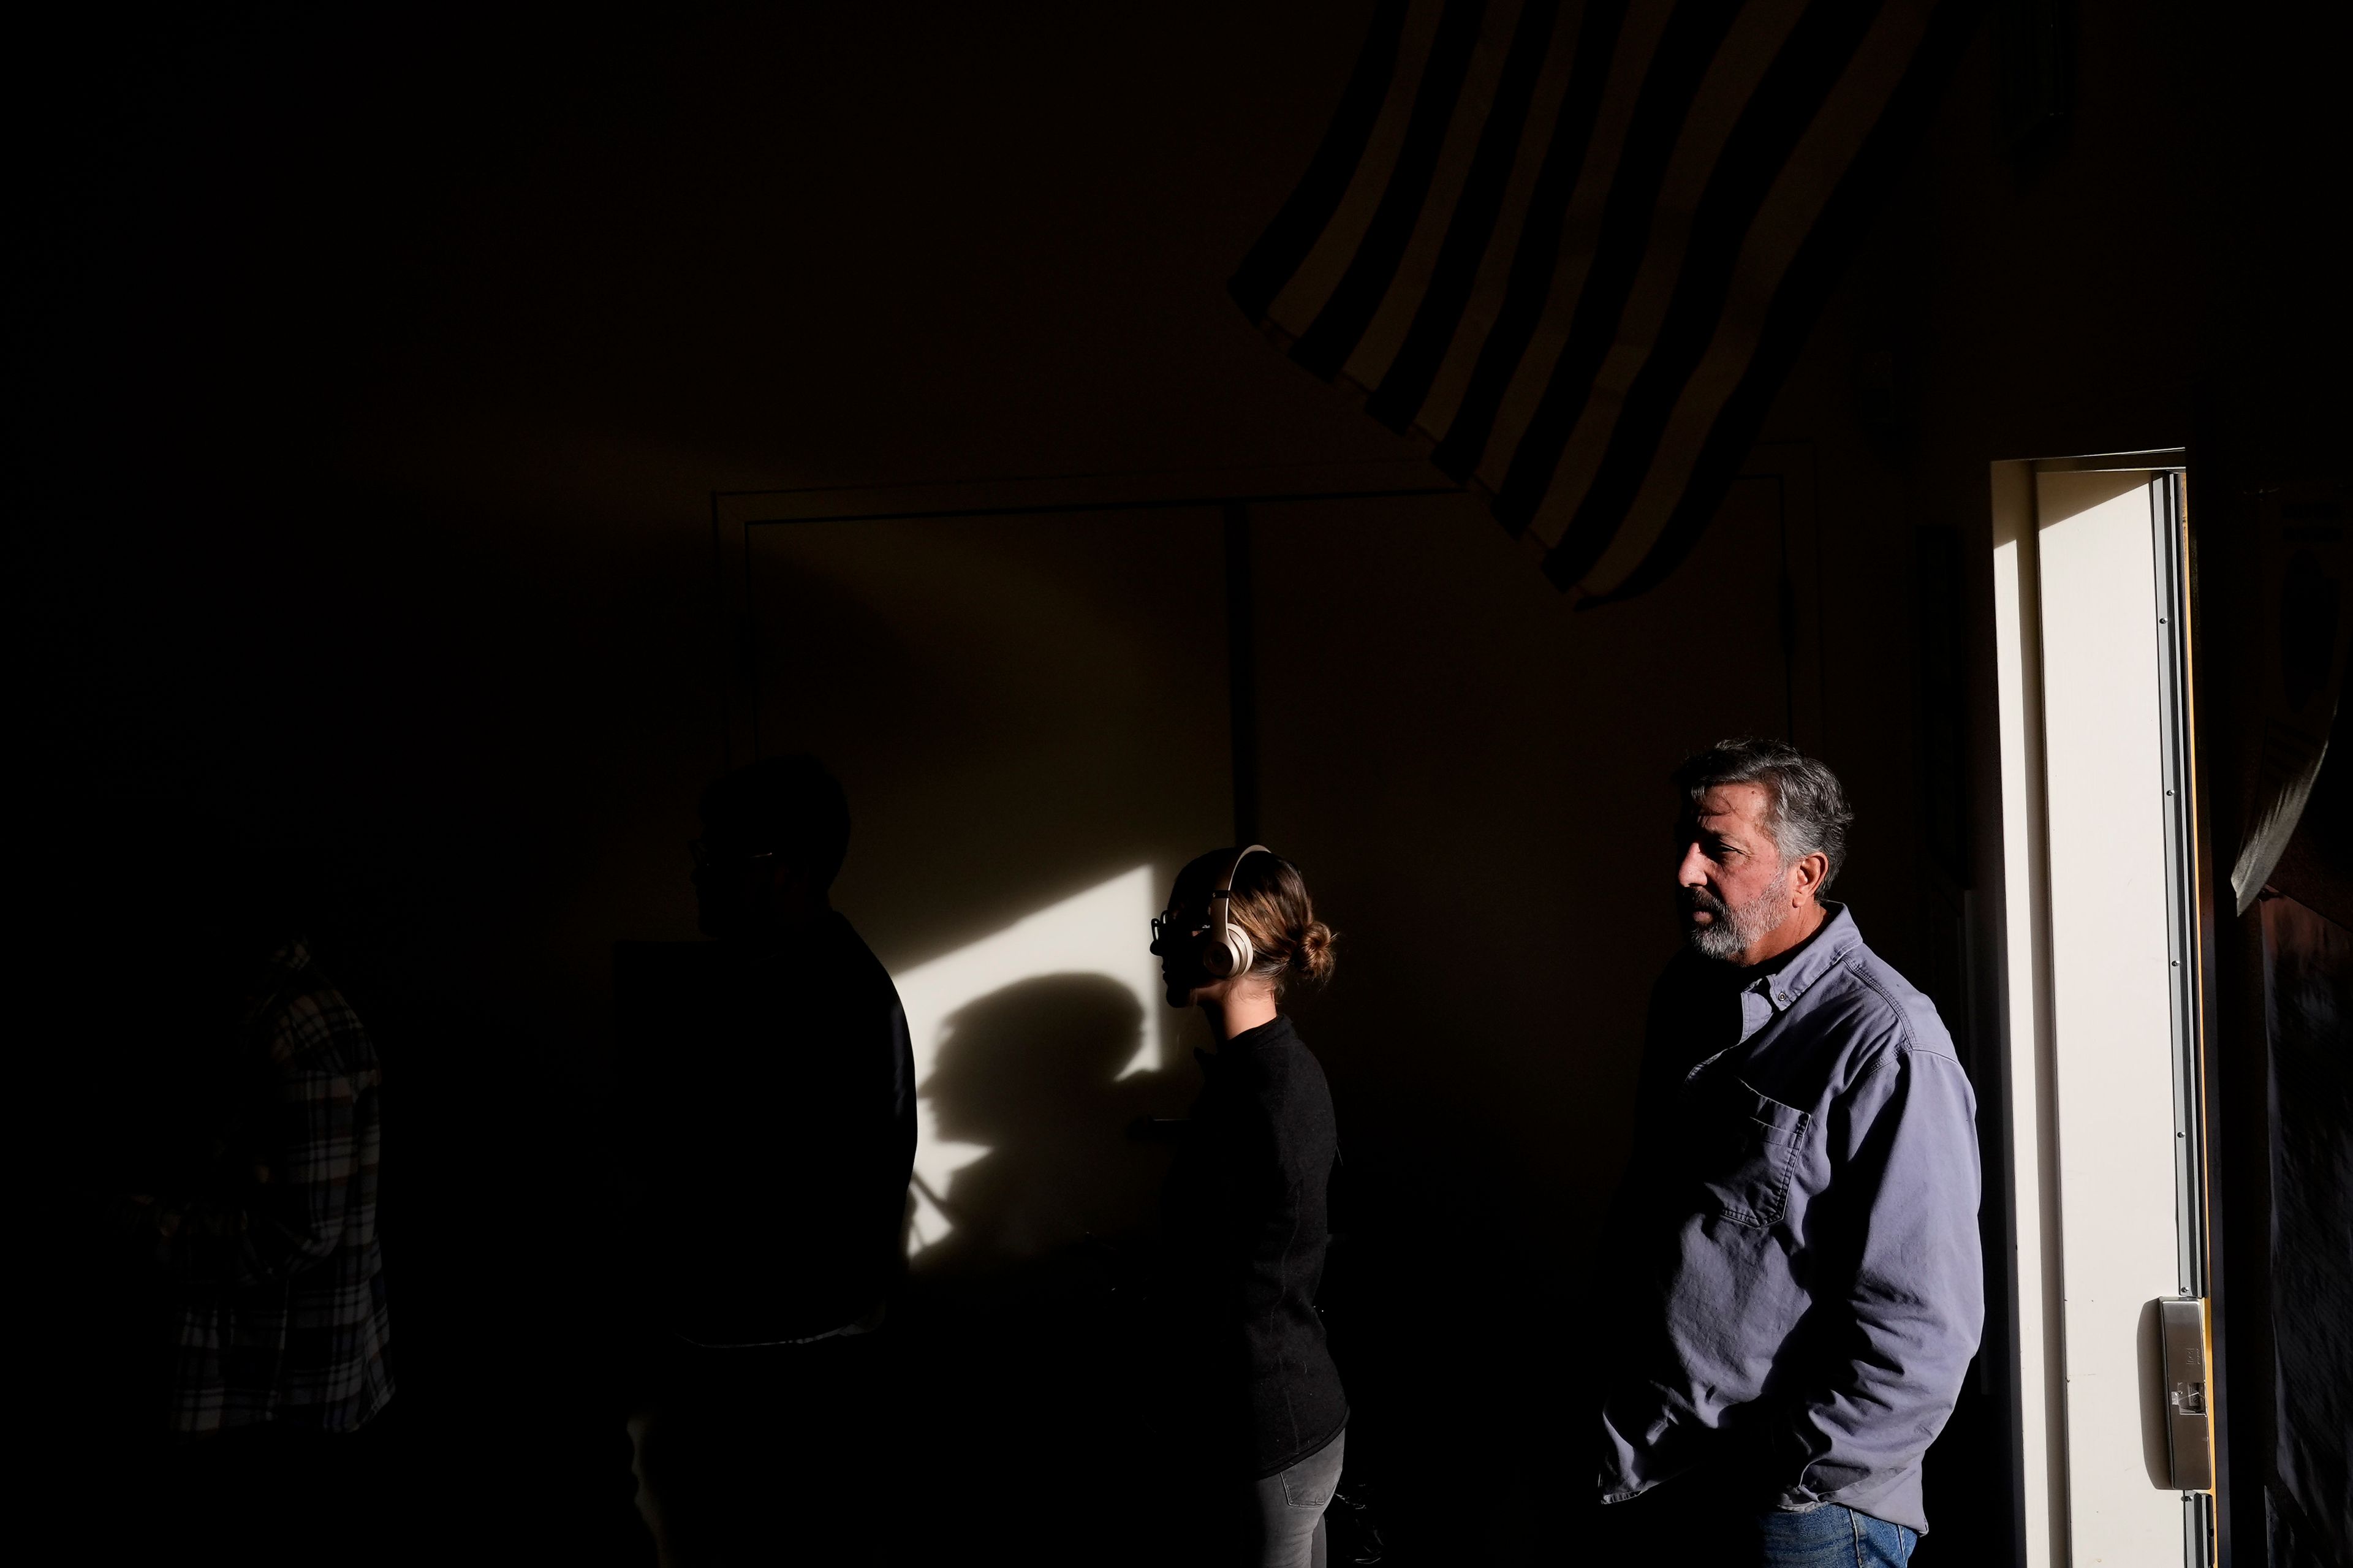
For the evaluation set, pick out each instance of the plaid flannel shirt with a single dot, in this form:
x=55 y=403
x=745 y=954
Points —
x=276 y=1301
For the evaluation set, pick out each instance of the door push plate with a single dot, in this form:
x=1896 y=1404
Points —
x=2189 y=1416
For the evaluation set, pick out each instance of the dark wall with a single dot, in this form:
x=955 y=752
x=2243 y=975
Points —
x=2270 y=409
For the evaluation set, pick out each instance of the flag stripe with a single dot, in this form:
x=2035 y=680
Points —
x=1804 y=184
x=1805 y=288
x=1806 y=68
x=1493 y=283
x=1465 y=437
x=1304 y=218
x=1398 y=398
x=1725 y=95
x=1408 y=284
x=1581 y=230
x=1683 y=55
x=1579 y=253
x=1324 y=347
x=1303 y=297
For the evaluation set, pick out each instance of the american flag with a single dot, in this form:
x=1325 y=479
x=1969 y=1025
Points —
x=1577 y=246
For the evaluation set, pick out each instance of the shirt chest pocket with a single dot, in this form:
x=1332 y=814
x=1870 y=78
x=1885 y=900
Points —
x=1747 y=1147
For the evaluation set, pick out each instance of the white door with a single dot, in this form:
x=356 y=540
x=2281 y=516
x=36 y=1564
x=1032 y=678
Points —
x=2107 y=1171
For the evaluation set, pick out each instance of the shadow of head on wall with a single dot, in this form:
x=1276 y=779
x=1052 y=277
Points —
x=1032 y=1072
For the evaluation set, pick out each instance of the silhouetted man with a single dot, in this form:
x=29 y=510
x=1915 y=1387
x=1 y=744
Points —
x=1800 y=1289
x=257 y=1210
x=780 y=1090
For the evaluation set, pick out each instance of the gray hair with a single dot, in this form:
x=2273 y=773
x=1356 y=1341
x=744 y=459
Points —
x=1808 y=813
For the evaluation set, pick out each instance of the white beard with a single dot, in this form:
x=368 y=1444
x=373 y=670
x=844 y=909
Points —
x=1736 y=928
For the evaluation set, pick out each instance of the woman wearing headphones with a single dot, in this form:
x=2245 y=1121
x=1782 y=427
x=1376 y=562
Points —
x=1245 y=1203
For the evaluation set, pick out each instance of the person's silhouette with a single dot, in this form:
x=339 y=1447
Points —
x=776 y=1078
x=1033 y=1072
x=245 y=1186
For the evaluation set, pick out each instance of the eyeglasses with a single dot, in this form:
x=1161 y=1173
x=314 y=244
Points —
x=705 y=857
x=1167 y=924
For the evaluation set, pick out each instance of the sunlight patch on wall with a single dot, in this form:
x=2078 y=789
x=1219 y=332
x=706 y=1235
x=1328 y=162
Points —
x=1103 y=931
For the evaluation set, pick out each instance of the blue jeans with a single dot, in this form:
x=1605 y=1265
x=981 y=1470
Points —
x=1830 y=1537
x=1287 y=1510
x=1675 y=1527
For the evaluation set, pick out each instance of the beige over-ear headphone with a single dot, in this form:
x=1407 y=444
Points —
x=1226 y=950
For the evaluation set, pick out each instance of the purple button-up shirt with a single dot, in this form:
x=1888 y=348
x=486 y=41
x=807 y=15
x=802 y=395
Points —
x=1800 y=1218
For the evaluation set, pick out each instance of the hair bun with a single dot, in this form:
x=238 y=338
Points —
x=1311 y=953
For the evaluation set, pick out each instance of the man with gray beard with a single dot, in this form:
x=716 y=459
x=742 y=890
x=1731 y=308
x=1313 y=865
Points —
x=1797 y=1226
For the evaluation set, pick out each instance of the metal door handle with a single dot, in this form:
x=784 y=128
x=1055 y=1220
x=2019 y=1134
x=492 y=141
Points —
x=2189 y=1413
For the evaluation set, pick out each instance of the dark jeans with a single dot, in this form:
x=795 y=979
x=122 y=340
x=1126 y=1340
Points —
x=775 y=1452
x=1286 y=1510
x=1673 y=1526
x=262 y=1495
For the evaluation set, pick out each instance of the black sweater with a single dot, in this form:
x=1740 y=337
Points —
x=1247 y=1217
